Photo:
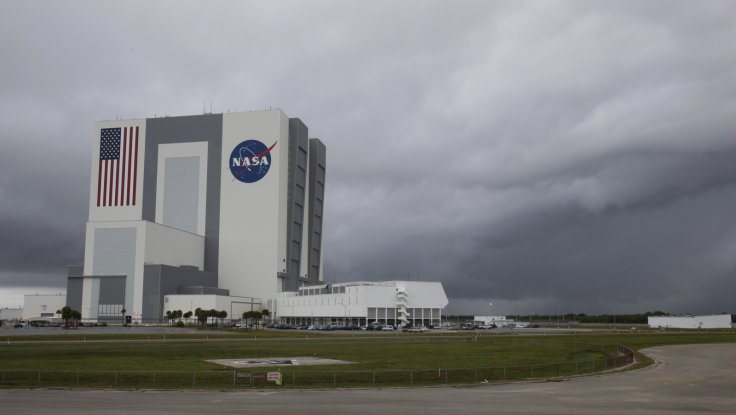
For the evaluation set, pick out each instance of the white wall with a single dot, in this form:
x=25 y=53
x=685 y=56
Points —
x=11 y=313
x=154 y=243
x=130 y=262
x=35 y=305
x=119 y=212
x=253 y=220
x=358 y=298
x=714 y=321
x=169 y=246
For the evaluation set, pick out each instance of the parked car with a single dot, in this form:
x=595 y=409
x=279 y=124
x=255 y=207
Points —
x=417 y=329
x=387 y=327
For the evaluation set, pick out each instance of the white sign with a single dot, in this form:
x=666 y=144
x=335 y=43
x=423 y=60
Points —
x=274 y=377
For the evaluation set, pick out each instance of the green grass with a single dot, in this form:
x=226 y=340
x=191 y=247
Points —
x=374 y=353
x=390 y=359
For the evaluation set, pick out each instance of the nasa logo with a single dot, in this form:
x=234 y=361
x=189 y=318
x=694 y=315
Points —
x=250 y=161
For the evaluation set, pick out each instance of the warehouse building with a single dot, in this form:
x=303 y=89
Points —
x=689 y=321
x=42 y=306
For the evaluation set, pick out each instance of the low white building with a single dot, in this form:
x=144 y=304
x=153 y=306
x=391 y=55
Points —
x=488 y=320
x=11 y=314
x=396 y=303
x=42 y=306
x=687 y=321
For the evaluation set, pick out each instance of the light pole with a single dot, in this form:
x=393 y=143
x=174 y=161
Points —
x=492 y=318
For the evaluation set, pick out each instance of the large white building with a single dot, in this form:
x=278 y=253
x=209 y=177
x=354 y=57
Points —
x=689 y=321
x=42 y=306
x=227 y=202
x=395 y=303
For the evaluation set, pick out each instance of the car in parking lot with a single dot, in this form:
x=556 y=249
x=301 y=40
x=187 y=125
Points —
x=415 y=329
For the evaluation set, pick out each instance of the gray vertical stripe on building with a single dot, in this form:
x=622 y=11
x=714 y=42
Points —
x=317 y=174
x=74 y=292
x=298 y=155
x=170 y=130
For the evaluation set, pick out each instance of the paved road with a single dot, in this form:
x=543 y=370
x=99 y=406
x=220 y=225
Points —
x=691 y=379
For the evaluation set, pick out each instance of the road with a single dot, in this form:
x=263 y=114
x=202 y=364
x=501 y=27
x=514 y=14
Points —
x=688 y=379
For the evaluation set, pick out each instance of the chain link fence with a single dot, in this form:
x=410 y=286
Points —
x=619 y=356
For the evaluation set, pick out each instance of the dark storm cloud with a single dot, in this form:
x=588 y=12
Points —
x=538 y=155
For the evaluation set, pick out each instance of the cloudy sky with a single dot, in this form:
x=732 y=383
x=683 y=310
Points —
x=544 y=156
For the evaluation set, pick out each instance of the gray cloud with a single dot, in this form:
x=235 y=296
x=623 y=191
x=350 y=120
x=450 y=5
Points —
x=534 y=154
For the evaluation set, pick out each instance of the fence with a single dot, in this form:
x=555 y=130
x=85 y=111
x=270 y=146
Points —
x=233 y=379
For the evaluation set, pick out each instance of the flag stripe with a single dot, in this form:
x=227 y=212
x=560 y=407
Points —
x=135 y=163
x=130 y=148
x=117 y=181
x=122 y=169
x=99 y=182
x=109 y=182
x=104 y=185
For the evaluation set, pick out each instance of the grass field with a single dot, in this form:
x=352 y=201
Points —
x=399 y=358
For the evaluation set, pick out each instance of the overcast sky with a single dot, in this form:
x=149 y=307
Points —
x=544 y=156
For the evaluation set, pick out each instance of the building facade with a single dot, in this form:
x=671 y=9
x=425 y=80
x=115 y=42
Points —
x=396 y=303
x=229 y=201
x=689 y=321
x=42 y=306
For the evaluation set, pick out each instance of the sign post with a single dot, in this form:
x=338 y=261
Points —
x=274 y=377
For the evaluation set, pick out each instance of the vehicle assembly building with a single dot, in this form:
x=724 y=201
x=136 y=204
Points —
x=232 y=202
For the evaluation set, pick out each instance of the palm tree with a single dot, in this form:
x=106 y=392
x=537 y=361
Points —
x=202 y=316
x=66 y=314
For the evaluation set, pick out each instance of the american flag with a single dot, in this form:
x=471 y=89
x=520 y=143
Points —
x=116 y=177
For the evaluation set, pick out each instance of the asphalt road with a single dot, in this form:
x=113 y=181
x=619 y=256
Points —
x=690 y=379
